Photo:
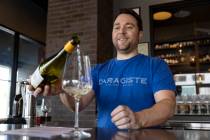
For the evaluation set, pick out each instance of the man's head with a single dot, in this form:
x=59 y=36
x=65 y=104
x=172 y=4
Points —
x=127 y=30
x=132 y=13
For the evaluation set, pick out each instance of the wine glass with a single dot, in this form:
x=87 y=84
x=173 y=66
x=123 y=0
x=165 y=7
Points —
x=76 y=82
x=45 y=108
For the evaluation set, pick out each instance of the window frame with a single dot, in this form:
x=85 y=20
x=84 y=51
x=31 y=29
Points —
x=14 y=67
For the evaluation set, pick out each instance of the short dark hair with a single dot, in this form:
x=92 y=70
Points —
x=132 y=13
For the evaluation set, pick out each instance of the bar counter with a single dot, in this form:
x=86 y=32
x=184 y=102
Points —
x=108 y=134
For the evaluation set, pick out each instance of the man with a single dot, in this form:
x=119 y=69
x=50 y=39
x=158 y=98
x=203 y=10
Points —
x=132 y=90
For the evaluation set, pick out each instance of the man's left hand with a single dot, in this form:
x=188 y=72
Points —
x=124 y=118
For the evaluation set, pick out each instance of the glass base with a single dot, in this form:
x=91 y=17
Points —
x=76 y=134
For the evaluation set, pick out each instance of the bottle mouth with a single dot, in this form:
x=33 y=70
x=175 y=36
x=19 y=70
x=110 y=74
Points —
x=75 y=38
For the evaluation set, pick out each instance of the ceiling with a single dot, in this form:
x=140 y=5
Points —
x=197 y=12
x=43 y=4
x=197 y=19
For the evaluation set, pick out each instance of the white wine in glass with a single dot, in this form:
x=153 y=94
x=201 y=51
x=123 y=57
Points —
x=76 y=82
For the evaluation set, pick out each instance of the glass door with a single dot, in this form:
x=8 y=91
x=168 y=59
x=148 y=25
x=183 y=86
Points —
x=30 y=53
x=6 y=61
x=19 y=56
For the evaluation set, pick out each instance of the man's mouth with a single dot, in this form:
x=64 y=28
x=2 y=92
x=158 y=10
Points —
x=122 y=39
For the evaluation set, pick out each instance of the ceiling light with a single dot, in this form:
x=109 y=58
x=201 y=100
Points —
x=182 y=14
x=163 y=15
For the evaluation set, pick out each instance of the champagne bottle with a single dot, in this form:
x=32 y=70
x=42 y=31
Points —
x=50 y=70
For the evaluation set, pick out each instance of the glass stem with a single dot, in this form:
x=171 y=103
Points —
x=76 y=117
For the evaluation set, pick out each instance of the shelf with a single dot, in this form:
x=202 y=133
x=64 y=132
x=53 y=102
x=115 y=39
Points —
x=204 y=63
x=190 y=64
x=185 y=47
x=183 y=44
x=180 y=64
x=177 y=48
x=185 y=56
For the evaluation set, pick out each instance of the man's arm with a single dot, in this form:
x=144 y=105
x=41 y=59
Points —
x=85 y=100
x=67 y=100
x=123 y=117
x=160 y=112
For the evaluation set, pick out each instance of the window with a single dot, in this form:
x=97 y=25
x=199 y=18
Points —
x=19 y=56
x=4 y=86
x=28 y=58
x=6 y=57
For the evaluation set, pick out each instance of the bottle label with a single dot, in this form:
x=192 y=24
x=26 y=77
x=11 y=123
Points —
x=36 y=78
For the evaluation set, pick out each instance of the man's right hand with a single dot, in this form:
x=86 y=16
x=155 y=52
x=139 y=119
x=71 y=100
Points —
x=46 y=90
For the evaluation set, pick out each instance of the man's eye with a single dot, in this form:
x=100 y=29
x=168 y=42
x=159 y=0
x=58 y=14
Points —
x=129 y=27
x=116 y=28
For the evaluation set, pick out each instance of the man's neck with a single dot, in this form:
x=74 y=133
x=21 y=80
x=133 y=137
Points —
x=124 y=56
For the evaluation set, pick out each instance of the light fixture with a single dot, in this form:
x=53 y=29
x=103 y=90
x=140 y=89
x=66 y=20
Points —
x=163 y=15
x=182 y=14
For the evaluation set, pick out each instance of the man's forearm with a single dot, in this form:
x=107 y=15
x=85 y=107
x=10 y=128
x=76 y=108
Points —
x=68 y=101
x=157 y=114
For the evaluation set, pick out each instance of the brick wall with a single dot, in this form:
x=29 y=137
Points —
x=104 y=32
x=86 y=18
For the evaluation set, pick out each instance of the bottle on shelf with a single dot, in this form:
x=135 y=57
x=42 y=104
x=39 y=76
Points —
x=50 y=70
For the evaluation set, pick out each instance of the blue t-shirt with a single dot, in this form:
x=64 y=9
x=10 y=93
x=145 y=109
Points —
x=131 y=82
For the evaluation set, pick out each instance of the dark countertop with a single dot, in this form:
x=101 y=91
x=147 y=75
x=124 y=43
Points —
x=107 y=134
x=190 y=118
x=198 y=122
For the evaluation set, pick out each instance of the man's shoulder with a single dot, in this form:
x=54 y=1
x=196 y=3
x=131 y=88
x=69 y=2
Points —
x=103 y=65
x=150 y=59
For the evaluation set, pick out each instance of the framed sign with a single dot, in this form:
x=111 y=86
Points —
x=143 y=48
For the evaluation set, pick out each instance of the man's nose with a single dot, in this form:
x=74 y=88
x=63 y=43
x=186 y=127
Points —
x=122 y=30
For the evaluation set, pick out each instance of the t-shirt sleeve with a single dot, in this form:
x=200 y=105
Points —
x=94 y=73
x=162 y=77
